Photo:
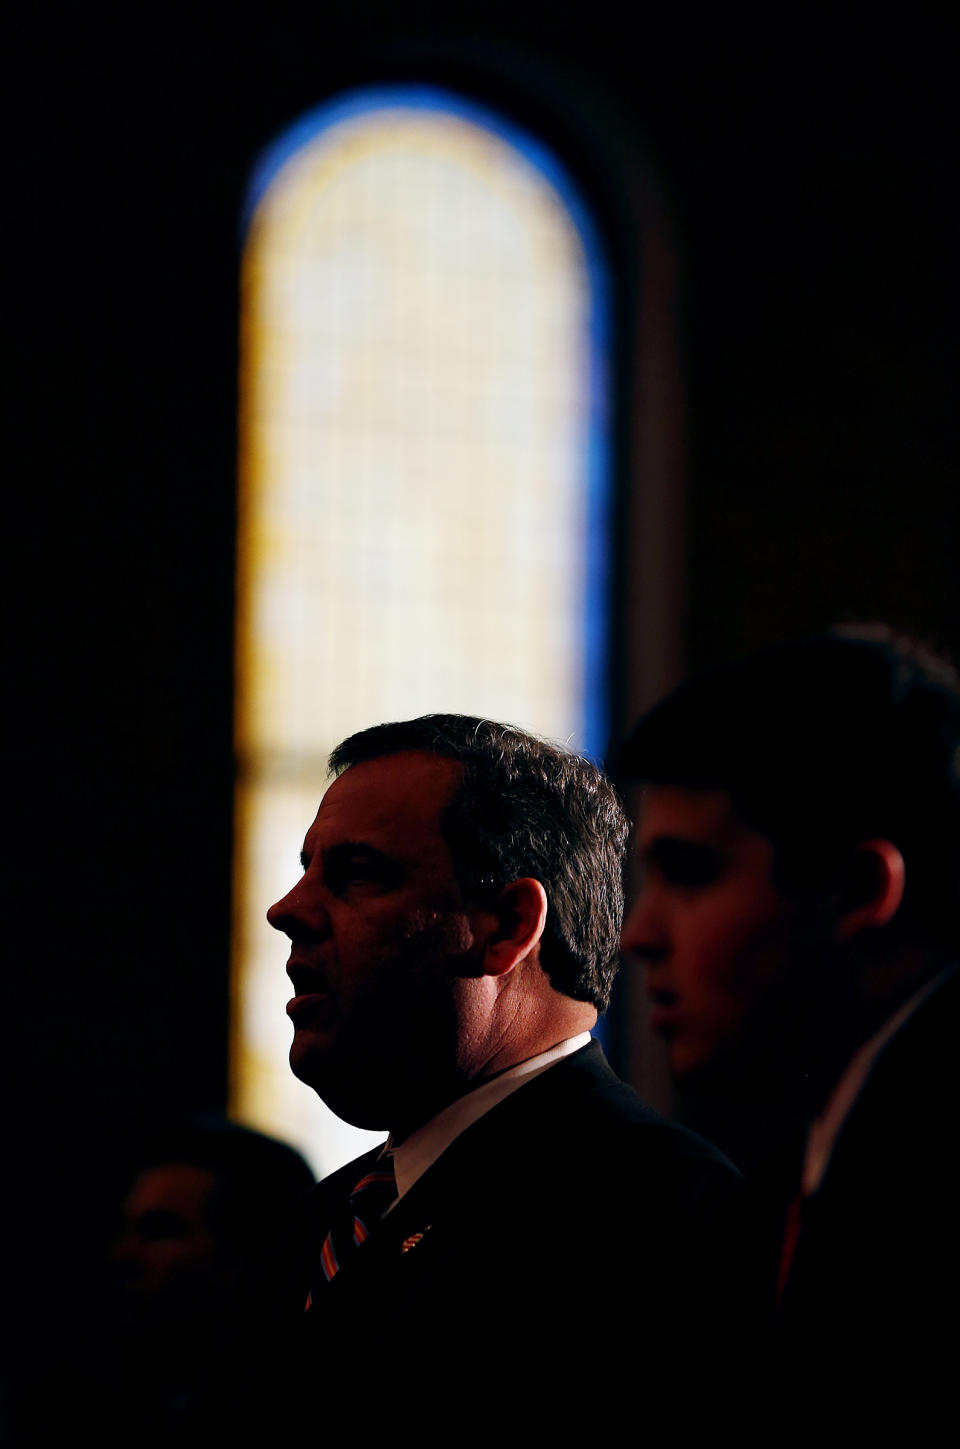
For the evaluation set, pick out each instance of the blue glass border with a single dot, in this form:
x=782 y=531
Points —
x=595 y=717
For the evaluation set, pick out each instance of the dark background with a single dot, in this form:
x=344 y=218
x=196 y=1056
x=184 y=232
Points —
x=808 y=174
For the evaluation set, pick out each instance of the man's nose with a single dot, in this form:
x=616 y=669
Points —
x=643 y=937
x=300 y=912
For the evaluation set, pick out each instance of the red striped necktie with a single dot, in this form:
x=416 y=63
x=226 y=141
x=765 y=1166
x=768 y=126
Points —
x=367 y=1204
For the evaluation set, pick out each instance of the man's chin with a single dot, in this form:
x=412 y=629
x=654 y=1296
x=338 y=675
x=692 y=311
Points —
x=353 y=1097
x=735 y=1071
x=309 y=1058
x=689 y=1061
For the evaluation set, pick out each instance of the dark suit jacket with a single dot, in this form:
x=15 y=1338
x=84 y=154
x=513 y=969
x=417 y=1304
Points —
x=570 y=1228
x=867 y=1309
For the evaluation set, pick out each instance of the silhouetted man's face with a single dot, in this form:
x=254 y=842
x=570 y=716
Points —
x=712 y=929
x=383 y=945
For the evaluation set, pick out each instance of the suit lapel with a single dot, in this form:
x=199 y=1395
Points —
x=449 y=1199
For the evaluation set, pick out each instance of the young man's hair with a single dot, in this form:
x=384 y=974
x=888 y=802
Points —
x=824 y=743
x=527 y=808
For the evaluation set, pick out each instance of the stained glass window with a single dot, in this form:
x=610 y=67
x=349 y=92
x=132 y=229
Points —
x=424 y=499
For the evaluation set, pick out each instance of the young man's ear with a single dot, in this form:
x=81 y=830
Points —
x=521 y=912
x=876 y=882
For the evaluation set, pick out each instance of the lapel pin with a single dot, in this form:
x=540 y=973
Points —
x=413 y=1240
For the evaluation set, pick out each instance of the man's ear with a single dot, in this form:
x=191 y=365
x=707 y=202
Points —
x=521 y=914
x=876 y=883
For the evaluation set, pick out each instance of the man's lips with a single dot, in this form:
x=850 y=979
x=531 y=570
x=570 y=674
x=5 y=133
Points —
x=664 y=1009
x=312 y=999
x=314 y=1008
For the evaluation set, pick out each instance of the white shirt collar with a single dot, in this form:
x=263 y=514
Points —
x=824 y=1132
x=422 y=1148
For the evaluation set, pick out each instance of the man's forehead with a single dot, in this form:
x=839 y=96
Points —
x=388 y=794
x=177 y=1185
x=706 y=814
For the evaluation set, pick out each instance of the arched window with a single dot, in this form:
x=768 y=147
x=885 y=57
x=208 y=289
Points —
x=425 y=499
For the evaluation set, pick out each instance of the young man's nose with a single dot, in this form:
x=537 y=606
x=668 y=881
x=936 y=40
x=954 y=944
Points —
x=643 y=937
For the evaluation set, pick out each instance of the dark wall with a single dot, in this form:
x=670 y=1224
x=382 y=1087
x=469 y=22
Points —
x=810 y=183
x=821 y=342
